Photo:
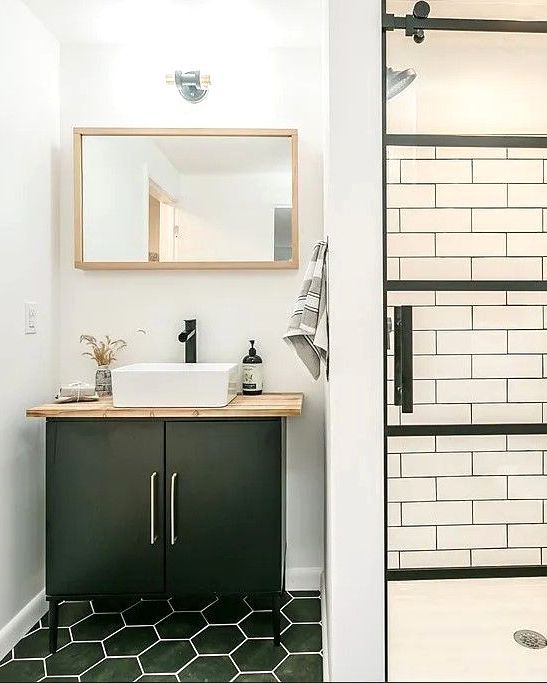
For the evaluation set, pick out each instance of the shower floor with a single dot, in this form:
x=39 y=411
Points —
x=462 y=630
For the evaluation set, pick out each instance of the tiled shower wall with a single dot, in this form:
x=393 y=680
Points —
x=479 y=357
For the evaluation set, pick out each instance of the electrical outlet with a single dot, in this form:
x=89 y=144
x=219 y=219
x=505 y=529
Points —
x=31 y=315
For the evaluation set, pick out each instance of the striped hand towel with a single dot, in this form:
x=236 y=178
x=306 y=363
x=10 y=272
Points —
x=308 y=327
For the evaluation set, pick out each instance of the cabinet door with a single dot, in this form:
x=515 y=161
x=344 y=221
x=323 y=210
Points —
x=224 y=528
x=105 y=507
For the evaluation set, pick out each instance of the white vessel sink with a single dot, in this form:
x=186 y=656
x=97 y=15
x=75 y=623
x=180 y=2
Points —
x=174 y=385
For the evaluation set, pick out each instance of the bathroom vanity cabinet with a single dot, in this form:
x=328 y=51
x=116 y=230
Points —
x=155 y=503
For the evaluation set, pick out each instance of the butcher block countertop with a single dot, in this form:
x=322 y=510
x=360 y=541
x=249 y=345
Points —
x=265 y=405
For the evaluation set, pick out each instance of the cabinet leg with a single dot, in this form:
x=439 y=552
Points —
x=53 y=624
x=276 y=618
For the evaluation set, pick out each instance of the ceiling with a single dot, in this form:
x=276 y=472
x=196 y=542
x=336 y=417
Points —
x=266 y=22
x=488 y=9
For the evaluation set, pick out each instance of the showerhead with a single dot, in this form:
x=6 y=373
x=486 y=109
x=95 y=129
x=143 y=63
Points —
x=397 y=81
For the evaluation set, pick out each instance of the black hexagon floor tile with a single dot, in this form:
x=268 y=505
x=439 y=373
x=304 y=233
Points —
x=22 y=670
x=113 y=670
x=114 y=604
x=305 y=594
x=228 y=610
x=217 y=668
x=258 y=655
x=299 y=668
x=303 y=610
x=74 y=659
x=218 y=640
x=60 y=679
x=97 y=627
x=302 y=638
x=70 y=613
x=259 y=625
x=260 y=601
x=131 y=640
x=192 y=603
x=36 y=644
x=181 y=625
x=159 y=678
x=147 y=612
x=251 y=678
x=167 y=656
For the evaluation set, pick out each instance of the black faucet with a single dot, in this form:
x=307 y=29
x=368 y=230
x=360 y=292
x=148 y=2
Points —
x=188 y=336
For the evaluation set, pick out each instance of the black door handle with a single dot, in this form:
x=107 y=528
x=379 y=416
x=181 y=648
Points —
x=403 y=354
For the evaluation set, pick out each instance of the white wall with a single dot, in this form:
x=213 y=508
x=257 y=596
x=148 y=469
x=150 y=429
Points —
x=353 y=223
x=230 y=216
x=29 y=138
x=124 y=86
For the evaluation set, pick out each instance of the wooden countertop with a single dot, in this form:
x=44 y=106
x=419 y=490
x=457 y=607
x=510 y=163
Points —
x=265 y=405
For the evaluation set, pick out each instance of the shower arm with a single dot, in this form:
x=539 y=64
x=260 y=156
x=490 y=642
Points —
x=412 y=24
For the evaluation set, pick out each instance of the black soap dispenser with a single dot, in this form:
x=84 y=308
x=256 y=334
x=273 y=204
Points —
x=252 y=372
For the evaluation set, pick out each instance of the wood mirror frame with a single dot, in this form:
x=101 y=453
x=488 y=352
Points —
x=79 y=262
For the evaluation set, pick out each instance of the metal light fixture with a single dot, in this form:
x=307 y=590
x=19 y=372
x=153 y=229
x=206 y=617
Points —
x=192 y=85
x=397 y=81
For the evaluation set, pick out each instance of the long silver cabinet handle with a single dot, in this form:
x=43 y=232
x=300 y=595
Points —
x=153 y=535
x=173 y=512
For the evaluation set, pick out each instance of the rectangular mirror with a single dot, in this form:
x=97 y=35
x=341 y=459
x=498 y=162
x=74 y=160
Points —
x=185 y=198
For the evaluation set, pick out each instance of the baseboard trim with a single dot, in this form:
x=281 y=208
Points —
x=303 y=578
x=324 y=630
x=25 y=619
x=465 y=573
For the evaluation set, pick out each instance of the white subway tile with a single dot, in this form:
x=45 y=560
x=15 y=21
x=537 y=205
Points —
x=394 y=465
x=393 y=223
x=414 y=244
x=410 y=490
x=471 y=488
x=506 y=511
x=527 y=153
x=471 y=391
x=526 y=487
x=507 y=171
x=424 y=342
x=424 y=391
x=471 y=244
x=442 y=367
x=506 y=412
x=527 y=244
x=471 y=153
x=404 y=152
x=411 y=538
x=434 y=558
x=440 y=171
x=393 y=560
x=532 y=195
x=393 y=171
x=411 y=299
x=437 y=513
x=527 y=298
x=394 y=514
x=390 y=367
x=435 y=464
x=472 y=536
x=505 y=556
x=508 y=268
x=507 y=220
x=527 y=341
x=527 y=390
x=438 y=414
x=408 y=196
x=469 y=298
x=507 y=317
x=410 y=444
x=513 y=365
x=414 y=268
x=393 y=415
x=472 y=341
x=442 y=318
x=508 y=462
x=527 y=535
x=490 y=442
x=392 y=268
x=436 y=220
x=472 y=196
x=527 y=442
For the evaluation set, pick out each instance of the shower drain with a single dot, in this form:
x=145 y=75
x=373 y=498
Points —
x=530 y=639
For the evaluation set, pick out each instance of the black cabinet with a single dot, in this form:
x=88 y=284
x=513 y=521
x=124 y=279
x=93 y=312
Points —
x=153 y=507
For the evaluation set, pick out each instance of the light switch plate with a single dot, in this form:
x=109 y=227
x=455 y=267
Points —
x=31 y=314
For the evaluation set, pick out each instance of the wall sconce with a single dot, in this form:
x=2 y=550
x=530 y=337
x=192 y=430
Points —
x=192 y=85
